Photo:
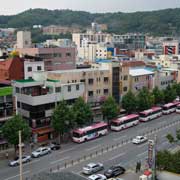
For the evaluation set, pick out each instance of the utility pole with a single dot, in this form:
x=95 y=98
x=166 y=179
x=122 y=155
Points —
x=20 y=157
x=154 y=164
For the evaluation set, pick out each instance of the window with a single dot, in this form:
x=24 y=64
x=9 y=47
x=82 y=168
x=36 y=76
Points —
x=106 y=91
x=69 y=88
x=39 y=68
x=106 y=79
x=124 y=89
x=18 y=104
x=77 y=87
x=58 y=89
x=17 y=90
x=136 y=79
x=83 y=80
x=68 y=54
x=90 y=81
x=125 y=78
x=29 y=69
x=98 y=91
x=90 y=93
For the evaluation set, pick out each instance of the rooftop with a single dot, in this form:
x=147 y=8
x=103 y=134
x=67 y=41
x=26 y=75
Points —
x=25 y=80
x=6 y=91
x=140 y=72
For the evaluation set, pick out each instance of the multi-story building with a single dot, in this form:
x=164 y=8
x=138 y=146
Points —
x=171 y=47
x=56 y=30
x=24 y=39
x=60 y=58
x=36 y=99
x=58 y=43
x=97 y=81
x=130 y=41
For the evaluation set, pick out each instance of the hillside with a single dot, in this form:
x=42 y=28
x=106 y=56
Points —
x=154 y=22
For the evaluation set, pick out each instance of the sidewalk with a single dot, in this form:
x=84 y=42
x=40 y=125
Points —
x=130 y=175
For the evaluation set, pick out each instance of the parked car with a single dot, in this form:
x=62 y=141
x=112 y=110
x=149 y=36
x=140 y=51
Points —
x=55 y=146
x=139 y=139
x=16 y=161
x=97 y=177
x=114 y=171
x=92 y=168
x=41 y=151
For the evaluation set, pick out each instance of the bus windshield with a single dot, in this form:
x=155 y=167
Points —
x=76 y=135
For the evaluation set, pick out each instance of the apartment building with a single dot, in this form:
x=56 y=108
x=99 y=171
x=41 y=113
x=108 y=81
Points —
x=59 y=58
x=36 y=100
x=96 y=80
x=130 y=40
x=56 y=30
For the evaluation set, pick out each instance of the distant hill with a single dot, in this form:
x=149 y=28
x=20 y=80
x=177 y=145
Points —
x=162 y=22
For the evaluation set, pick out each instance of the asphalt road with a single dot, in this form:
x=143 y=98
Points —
x=125 y=154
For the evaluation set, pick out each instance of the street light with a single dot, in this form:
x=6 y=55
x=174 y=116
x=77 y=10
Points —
x=20 y=156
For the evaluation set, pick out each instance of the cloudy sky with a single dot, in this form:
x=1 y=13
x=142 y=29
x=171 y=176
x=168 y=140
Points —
x=16 y=6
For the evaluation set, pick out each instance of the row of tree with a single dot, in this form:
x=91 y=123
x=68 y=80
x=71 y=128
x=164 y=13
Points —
x=146 y=99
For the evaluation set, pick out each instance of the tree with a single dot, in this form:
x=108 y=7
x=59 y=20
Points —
x=129 y=102
x=11 y=129
x=110 y=108
x=158 y=96
x=62 y=119
x=170 y=138
x=177 y=88
x=145 y=99
x=169 y=94
x=82 y=112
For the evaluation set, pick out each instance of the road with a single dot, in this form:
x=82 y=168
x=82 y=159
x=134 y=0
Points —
x=115 y=148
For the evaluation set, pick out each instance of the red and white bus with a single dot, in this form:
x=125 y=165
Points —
x=150 y=114
x=178 y=109
x=124 y=122
x=90 y=132
x=170 y=107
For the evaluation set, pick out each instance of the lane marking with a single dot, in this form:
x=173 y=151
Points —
x=59 y=160
x=70 y=149
x=94 y=147
x=115 y=157
x=26 y=172
x=142 y=154
x=117 y=139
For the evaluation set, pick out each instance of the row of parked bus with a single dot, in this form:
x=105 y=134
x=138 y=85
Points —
x=99 y=129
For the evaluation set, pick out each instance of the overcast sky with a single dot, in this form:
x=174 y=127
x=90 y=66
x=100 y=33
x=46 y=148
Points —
x=16 y=6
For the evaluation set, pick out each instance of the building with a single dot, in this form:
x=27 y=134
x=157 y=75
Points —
x=171 y=47
x=12 y=69
x=130 y=41
x=59 y=58
x=58 y=43
x=56 y=30
x=24 y=39
x=36 y=100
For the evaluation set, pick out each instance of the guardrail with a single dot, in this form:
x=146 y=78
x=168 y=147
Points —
x=106 y=149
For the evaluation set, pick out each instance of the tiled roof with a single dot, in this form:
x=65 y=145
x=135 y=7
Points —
x=133 y=63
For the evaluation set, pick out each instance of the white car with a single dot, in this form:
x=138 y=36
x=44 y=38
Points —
x=16 y=161
x=139 y=139
x=92 y=168
x=97 y=177
x=41 y=151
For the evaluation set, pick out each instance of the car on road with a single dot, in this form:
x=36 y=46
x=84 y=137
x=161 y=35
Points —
x=41 y=151
x=55 y=146
x=16 y=161
x=97 y=177
x=114 y=171
x=139 y=139
x=92 y=168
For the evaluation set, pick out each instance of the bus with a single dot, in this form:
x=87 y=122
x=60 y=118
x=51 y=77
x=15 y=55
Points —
x=124 y=122
x=90 y=132
x=150 y=114
x=178 y=109
x=170 y=107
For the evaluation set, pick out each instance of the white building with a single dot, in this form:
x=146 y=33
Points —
x=24 y=39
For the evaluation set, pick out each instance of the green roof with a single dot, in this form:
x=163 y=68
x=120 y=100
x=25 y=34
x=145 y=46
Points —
x=25 y=80
x=6 y=91
x=51 y=80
